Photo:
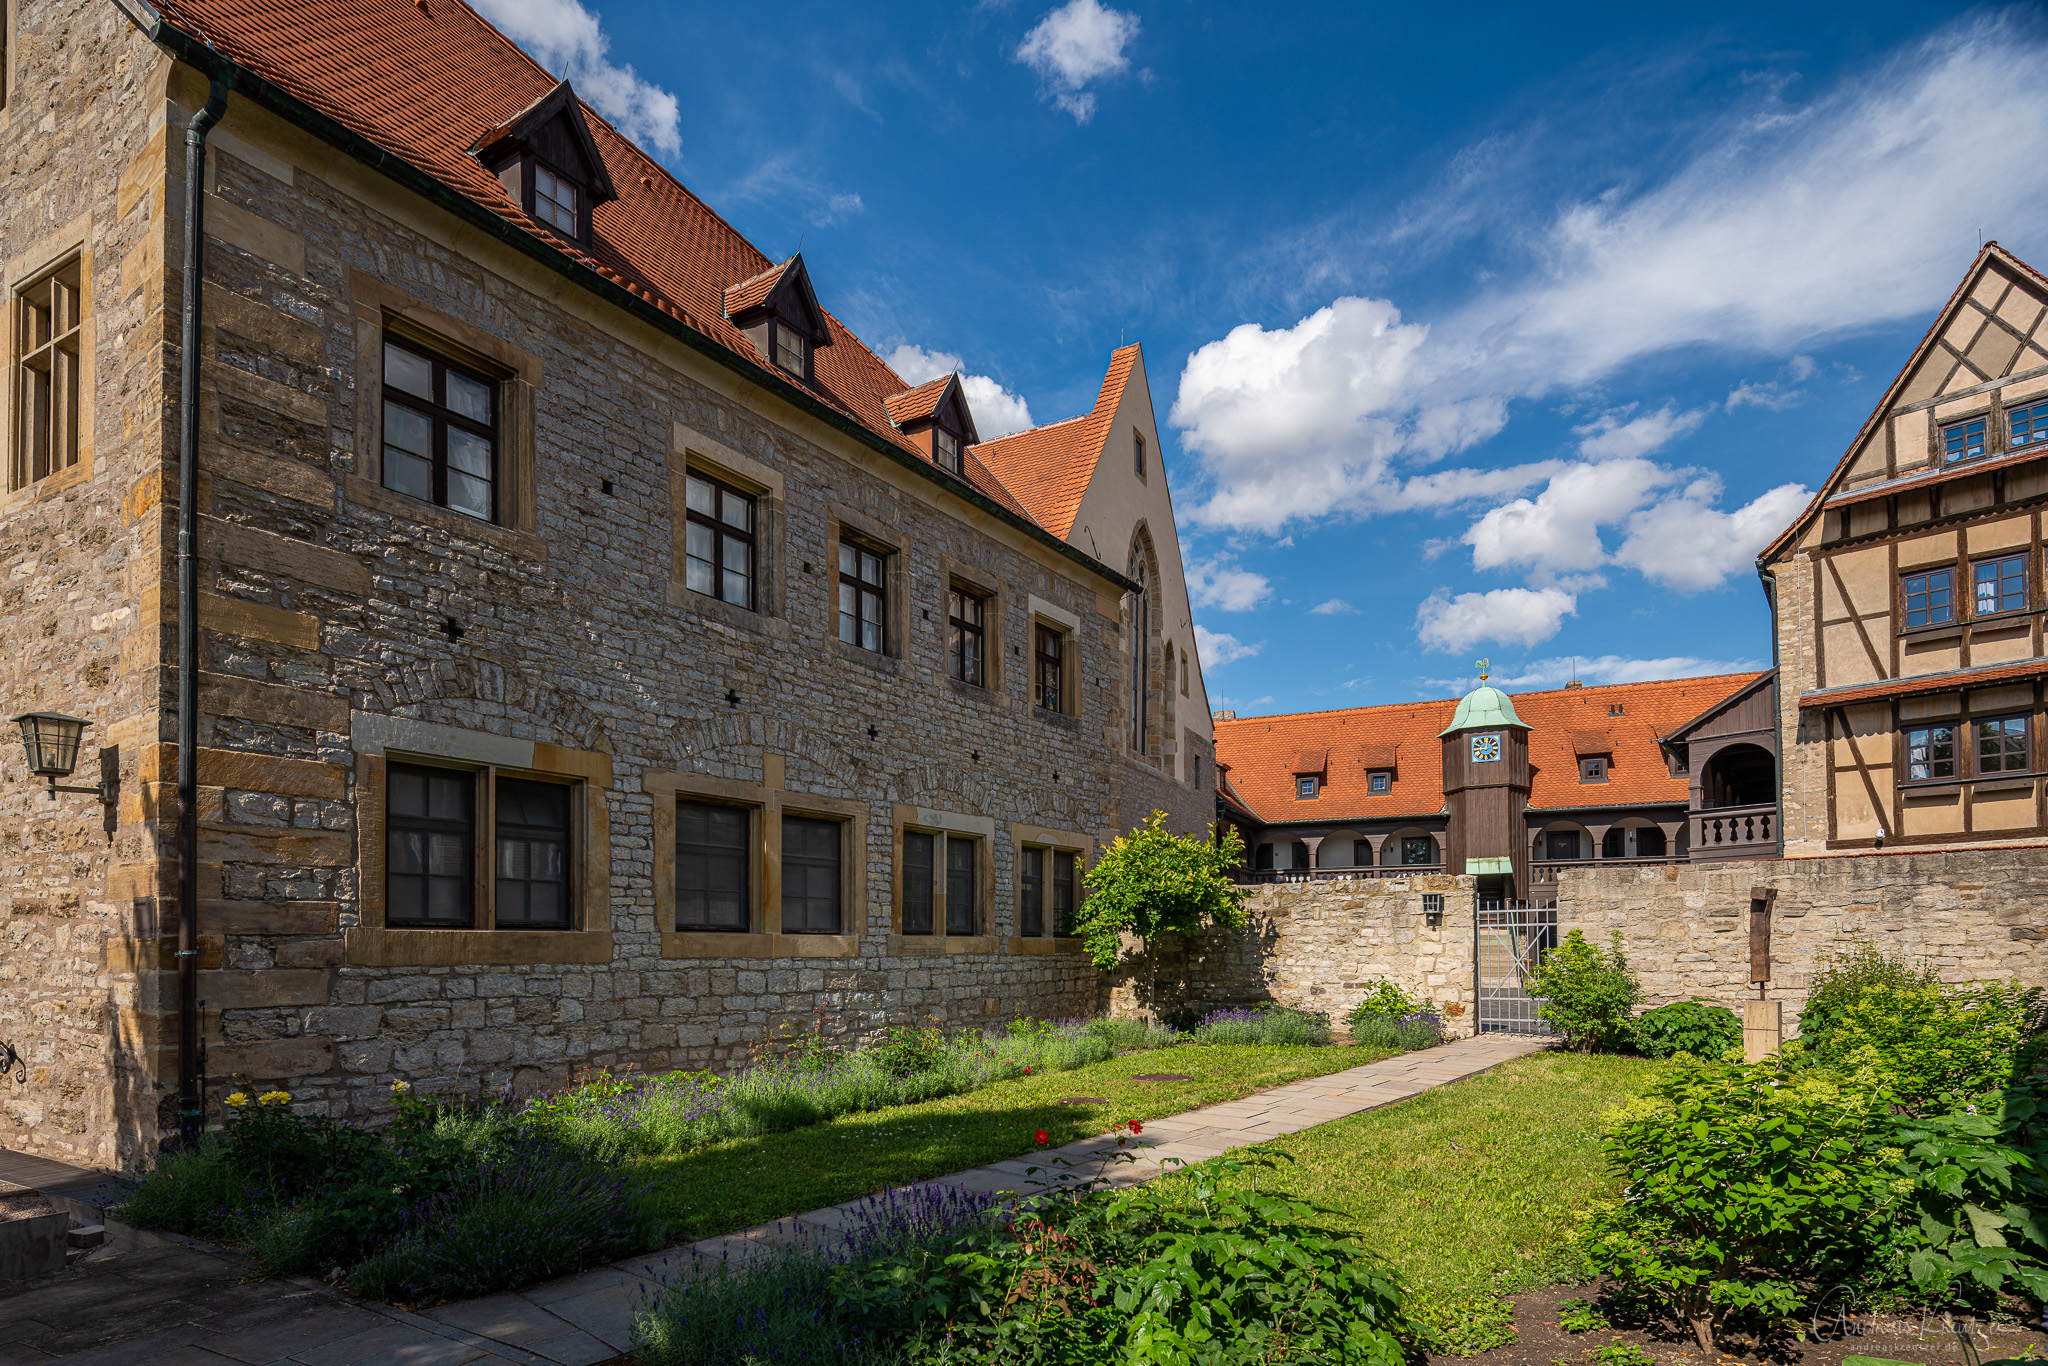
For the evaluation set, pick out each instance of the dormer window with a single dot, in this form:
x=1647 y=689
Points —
x=1307 y=785
x=791 y=350
x=946 y=449
x=1380 y=783
x=548 y=164
x=555 y=201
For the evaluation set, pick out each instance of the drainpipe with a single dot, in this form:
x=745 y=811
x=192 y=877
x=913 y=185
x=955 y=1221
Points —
x=1769 y=579
x=191 y=1103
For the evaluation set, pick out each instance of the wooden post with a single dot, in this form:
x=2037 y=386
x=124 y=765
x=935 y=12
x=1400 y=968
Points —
x=1763 y=1029
x=1760 y=899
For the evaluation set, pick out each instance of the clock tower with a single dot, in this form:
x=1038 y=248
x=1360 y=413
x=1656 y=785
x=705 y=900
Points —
x=1486 y=790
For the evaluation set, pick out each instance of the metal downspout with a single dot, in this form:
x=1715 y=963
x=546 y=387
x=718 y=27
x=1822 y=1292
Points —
x=191 y=1103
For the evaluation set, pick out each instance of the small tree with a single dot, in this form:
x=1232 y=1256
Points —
x=1153 y=882
x=1588 y=994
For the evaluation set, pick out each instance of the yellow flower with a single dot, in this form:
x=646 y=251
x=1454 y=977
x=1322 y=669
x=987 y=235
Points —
x=274 y=1098
x=238 y=1100
x=400 y=1085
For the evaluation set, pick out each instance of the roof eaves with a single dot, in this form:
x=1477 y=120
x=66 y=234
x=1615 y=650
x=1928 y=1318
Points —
x=196 y=53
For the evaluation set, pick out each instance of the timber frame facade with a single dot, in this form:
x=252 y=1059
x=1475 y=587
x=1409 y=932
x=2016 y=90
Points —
x=1909 y=595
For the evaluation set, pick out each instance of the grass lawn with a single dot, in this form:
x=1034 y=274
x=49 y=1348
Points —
x=751 y=1181
x=1470 y=1187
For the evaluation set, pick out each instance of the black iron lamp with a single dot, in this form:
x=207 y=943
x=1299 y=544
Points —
x=51 y=740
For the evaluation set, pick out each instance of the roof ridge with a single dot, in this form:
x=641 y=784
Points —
x=1448 y=701
x=1027 y=431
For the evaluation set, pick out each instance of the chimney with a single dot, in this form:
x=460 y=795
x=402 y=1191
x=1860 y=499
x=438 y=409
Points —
x=1222 y=716
x=1574 y=683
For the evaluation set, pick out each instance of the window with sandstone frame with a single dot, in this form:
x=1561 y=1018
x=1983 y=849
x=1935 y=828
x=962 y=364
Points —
x=49 y=322
x=471 y=848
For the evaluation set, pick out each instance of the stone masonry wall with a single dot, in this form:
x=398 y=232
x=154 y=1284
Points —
x=79 y=553
x=1315 y=946
x=1976 y=915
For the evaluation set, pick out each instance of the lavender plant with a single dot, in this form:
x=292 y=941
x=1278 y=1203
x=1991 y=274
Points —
x=1403 y=1033
x=1265 y=1026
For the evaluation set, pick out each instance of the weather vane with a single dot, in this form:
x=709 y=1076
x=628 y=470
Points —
x=1483 y=666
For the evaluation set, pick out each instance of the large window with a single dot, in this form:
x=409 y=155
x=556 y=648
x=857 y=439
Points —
x=1930 y=598
x=47 y=322
x=2000 y=584
x=2026 y=426
x=1049 y=649
x=1418 y=849
x=966 y=638
x=810 y=875
x=941 y=890
x=533 y=855
x=861 y=615
x=1049 y=888
x=554 y=201
x=435 y=820
x=2002 y=744
x=429 y=845
x=1141 y=654
x=1931 y=752
x=712 y=862
x=961 y=885
x=440 y=432
x=1963 y=440
x=719 y=541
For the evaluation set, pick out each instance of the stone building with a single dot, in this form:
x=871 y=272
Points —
x=1098 y=480
x=603 y=657
x=1511 y=791
x=1908 y=597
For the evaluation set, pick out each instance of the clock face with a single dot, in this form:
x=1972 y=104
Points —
x=1485 y=748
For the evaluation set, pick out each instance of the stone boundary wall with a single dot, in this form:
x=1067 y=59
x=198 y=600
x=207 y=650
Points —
x=1975 y=915
x=1316 y=946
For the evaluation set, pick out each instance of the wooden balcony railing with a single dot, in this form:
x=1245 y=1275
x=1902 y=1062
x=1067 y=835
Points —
x=1545 y=874
x=1733 y=829
x=1259 y=877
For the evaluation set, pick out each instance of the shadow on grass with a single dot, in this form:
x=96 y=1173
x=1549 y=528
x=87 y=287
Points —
x=750 y=1181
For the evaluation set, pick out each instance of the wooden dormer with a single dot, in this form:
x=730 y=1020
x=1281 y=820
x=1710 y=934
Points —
x=935 y=415
x=548 y=163
x=779 y=312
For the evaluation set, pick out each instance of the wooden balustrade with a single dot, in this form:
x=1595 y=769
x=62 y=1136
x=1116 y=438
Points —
x=1259 y=877
x=1747 y=828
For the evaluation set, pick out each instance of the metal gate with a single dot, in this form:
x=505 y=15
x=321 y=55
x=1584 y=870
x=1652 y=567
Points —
x=1511 y=940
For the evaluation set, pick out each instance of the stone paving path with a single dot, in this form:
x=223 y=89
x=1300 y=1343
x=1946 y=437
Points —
x=146 y=1301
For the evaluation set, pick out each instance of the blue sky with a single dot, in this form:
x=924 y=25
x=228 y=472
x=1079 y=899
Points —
x=1514 y=335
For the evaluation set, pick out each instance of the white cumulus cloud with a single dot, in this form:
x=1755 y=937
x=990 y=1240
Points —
x=565 y=38
x=997 y=411
x=1689 y=544
x=1597 y=669
x=1074 y=46
x=1335 y=607
x=1218 y=649
x=1221 y=584
x=1621 y=434
x=1513 y=616
x=1559 y=529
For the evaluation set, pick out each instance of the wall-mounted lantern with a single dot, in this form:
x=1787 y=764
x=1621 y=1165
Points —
x=51 y=740
x=1433 y=909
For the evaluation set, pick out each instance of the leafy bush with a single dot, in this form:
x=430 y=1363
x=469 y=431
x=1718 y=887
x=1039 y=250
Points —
x=1742 y=1181
x=1463 y=1325
x=196 y=1191
x=1223 y=1277
x=1152 y=882
x=1382 y=1000
x=1581 y=1316
x=1845 y=977
x=1978 y=1196
x=1267 y=1026
x=906 y=1051
x=1588 y=994
x=1422 y=1029
x=1933 y=1046
x=1698 y=1027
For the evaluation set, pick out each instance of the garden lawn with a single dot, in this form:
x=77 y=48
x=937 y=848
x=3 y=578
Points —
x=1470 y=1188
x=743 y=1182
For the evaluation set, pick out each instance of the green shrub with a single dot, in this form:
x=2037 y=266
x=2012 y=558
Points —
x=1220 y=1277
x=1742 y=1182
x=905 y=1050
x=1978 y=1205
x=1698 y=1027
x=1933 y=1047
x=196 y=1191
x=1383 y=1000
x=1588 y=994
x=1844 y=978
x=1423 y=1029
x=775 y=1308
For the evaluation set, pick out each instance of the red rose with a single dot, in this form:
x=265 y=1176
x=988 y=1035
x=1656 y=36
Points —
x=1136 y=1127
x=1027 y=1071
x=1043 y=1137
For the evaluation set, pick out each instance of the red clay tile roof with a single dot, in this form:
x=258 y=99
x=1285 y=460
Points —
x=1379 y=756
x=1259 y=750
x=1919 y=685
x=1048 y=467
x=753 y=291
x=1312 y=761
x=912 y=405
x=423 y=81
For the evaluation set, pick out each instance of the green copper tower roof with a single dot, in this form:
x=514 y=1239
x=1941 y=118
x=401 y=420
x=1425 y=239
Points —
x=1484 y=706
